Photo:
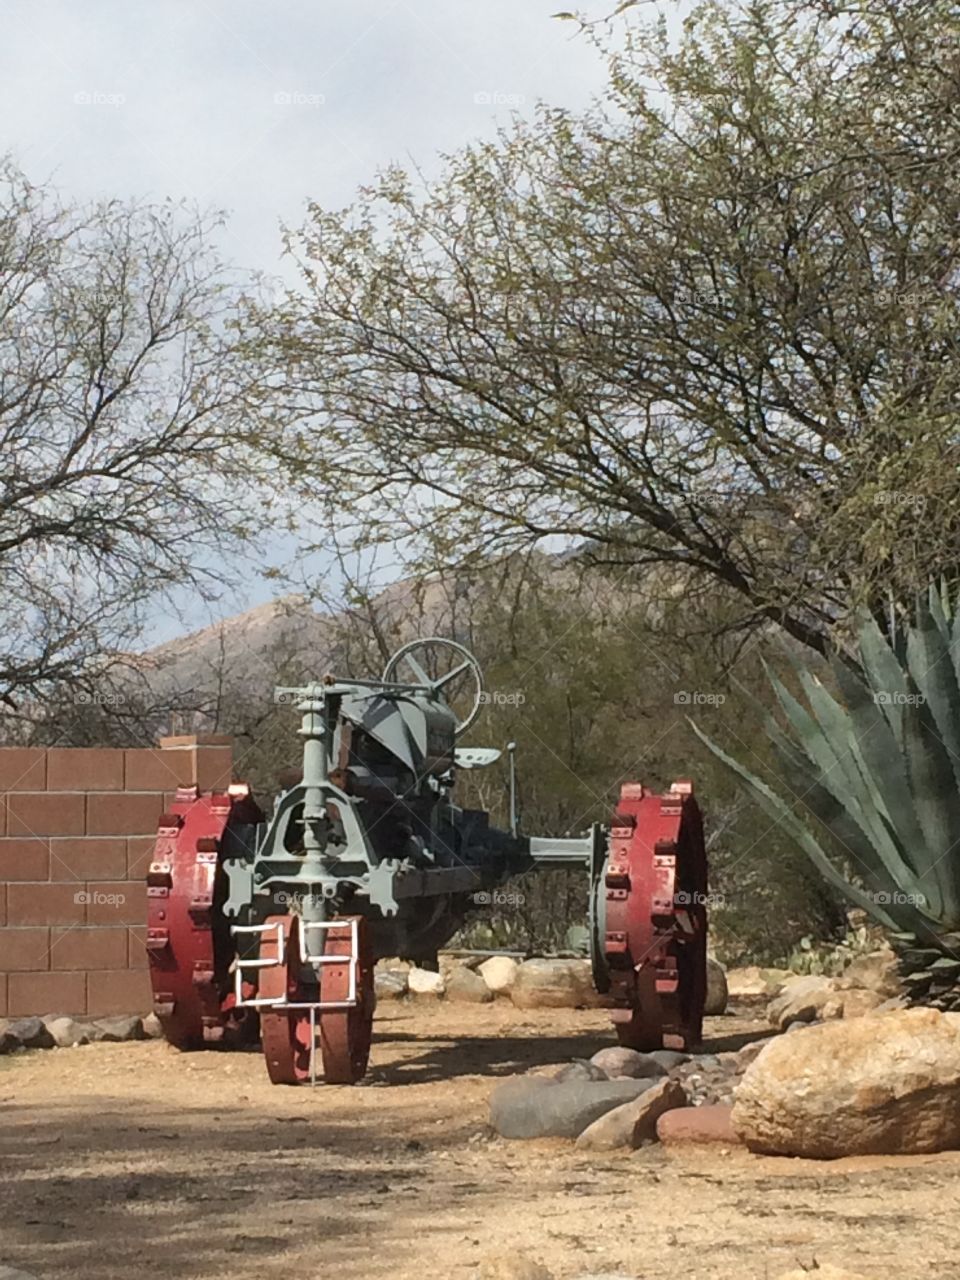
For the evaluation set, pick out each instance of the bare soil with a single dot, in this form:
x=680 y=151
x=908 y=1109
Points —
x=126 y=1159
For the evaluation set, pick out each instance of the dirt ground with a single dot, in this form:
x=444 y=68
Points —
x=123 y=1159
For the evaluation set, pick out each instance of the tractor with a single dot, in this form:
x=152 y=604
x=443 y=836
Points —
x=269 y=928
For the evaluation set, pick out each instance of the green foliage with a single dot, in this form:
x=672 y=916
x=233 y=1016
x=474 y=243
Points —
x=880 y=774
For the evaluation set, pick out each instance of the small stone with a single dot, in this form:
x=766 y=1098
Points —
x=30 y=1033
x=669 y=1058
x=804 y=999
x=513 y=1266
x=424 y=982
x=391 y=984
x=533 y=1107
x=580 y=1069
x=634 y=1122
x=152 y=1027
x=121 y=1027
x=716 y=1001
x=705 y=1125
x=822 y=1271
x=466 y=987
x=877 y=971
x=499 y=973
x=66 y=1032
x=618 y=1063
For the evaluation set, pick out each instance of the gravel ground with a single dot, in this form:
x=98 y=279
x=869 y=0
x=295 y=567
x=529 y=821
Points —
x=122 y=1159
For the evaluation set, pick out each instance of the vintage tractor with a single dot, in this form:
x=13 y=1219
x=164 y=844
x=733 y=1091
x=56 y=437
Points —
x=272 y=927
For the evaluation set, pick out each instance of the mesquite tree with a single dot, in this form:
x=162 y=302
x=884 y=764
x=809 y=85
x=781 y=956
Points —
x=709 y=323
x=122 y=403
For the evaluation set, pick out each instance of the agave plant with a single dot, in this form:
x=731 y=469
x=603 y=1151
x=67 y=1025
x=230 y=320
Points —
x=879 y=770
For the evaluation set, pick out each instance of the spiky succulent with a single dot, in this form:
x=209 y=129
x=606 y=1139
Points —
x=880 y=770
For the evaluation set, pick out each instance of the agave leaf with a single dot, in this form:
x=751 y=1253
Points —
x=883 y=768
x=931 y=667
x=938 y=603
x=938 y=810
x=776 y=808
x=883 y=672
x=864 y=796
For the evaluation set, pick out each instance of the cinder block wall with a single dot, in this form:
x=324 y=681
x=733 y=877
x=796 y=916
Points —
x=77 y=826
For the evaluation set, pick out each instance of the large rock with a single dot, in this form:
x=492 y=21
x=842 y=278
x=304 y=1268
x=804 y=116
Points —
x=579 y=1069
x=876 y=972
x=152 y=1027
x=499 y=973
x=882 y=1084
x=424 y=982
x=466 y=987
x=534 y=1107
x=553 y=984
x=697 y=1126
x=618 y=1063
x=634 y=1122
x=716 y=1002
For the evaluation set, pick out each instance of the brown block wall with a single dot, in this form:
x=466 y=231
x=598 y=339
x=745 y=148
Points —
x=77 y=826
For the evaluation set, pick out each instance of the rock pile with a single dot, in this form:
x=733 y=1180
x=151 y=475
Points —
x=58 y=1031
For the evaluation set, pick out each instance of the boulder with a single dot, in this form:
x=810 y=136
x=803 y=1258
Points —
x=390 y=984
x=618 y=1063
x=392 y=964
x=803 y=999
x=424 y=982
x=716 y=1002
x=66 y=1032
x=466 y=987
x=534 y=1107
x=883 y=1084
x=707 y=1125
x=553 y=984
x=634 y=1122
x=499 y=973
x=877 y=971
x=122 y=1027
x=30 y=1033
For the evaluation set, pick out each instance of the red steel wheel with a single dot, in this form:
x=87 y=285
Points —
x=189 y=944
x=345 y=1033
x=286 y=1037
x=656 y=922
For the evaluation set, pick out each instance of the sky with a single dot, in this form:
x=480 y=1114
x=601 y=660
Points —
x=254 y=108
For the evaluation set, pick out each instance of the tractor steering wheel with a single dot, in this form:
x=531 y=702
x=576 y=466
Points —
x=467 y=666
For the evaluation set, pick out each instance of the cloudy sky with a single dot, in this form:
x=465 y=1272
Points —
x=255 y=107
